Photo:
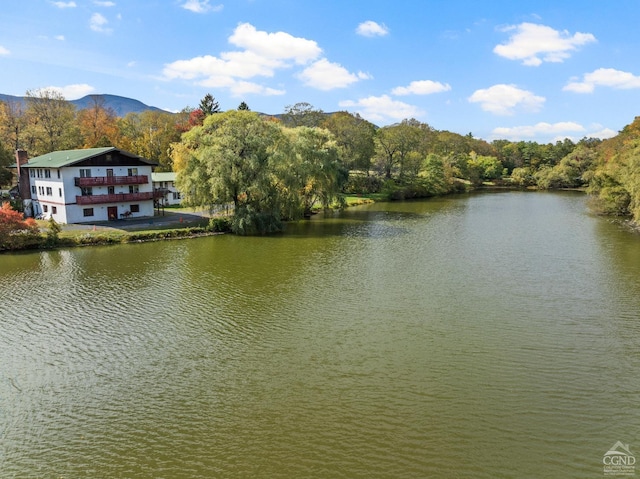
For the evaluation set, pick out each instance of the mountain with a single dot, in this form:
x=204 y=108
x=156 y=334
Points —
x=120 y=105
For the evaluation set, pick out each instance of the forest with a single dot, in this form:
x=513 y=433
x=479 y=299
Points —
x=280 y=167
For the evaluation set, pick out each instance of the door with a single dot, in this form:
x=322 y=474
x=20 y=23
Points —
x=112 y=212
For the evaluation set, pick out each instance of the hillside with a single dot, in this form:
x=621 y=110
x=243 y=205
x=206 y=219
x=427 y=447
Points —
x=120 y=105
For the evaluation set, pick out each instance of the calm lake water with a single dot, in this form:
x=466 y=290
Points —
x=483 y=336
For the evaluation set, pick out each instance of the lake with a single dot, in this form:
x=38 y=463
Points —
x=474 y=336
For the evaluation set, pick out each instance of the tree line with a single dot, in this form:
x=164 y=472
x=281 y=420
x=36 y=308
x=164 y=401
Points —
x=274 y=168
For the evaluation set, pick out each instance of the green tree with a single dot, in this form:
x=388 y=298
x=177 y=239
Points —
x=319 y=173
x=13 y=121
x=53 y=230
x=233 y=158
x=52 y=122
x=355 y=139
x=386 y=149
x=481 y=168
x=395 y=145
x=150 y=135
x=6 y=159
x=209 y=105
x=522 y=176
x=302 y=114
x=434 y=173
x=243 y=106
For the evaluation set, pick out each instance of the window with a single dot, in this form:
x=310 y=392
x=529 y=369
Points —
x=54 y=210
x=32 y=173
x=33 y=189
x=58 y=174
x=39 y=172
x=134 y=208
x=109 y=158
x=132 y=171
x=86 y=191
x=176 y=195
x=87 y=212
x=85 y=172
x=47 y=173
x=45 y=208
x=41 y=190
x=111 y=190
x=49 y=191
x=134 y=189
x=60 y=192
x=109 y=170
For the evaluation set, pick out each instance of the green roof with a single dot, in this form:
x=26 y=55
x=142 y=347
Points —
x=163 y=176
x=59 y=159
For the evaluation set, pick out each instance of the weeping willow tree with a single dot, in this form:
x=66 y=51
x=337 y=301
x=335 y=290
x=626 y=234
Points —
x=269 y=173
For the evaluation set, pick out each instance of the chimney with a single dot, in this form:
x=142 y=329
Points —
x=22 y=157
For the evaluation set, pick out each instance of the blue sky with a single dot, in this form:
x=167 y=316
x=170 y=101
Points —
x=518 y=70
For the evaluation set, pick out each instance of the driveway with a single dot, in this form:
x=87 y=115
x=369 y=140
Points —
x=167 y=218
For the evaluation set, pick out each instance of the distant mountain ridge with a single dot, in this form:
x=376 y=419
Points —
x=121 y=105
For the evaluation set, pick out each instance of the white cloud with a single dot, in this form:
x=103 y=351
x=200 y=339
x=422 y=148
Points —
x=132 y=63
x=603 y=133
x=262 y=54
x=604 y=77
x=552 y=132
x=380 y=108
x=534 y=44
x=505 y=99
x=372 y=29
x=278 y=45
x=241 y=88
x=421 y=87
x=72 y=92
x=4 y=51
x=232 y=65
x=98 y=23
x=201 y=6
x=104 y=4
x=59 y=37
x=64 y=4
x=325 y=75
x=539 y=129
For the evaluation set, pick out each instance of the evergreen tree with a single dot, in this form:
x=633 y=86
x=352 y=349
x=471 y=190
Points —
x=209 y=105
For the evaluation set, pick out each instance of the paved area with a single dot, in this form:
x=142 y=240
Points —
x=167 y=218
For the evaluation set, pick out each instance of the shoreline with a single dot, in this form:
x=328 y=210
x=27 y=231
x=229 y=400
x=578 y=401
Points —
x=104 y=234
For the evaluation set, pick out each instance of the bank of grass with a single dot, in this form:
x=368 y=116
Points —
x=355 y=200
x=106 y=236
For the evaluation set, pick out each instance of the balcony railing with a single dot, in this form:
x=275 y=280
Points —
x=112 y=180
x=114 y=198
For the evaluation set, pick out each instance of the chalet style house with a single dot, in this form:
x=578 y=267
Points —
x=80 y=186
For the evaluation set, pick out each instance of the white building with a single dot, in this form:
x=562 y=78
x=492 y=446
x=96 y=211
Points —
x=164 y=183
x=80 y=186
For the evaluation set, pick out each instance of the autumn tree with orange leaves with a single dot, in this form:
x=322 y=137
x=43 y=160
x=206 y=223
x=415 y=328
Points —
x=98 y=124
x=14 y=229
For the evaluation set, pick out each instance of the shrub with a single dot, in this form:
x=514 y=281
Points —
x=15 y=231
x=219 y=225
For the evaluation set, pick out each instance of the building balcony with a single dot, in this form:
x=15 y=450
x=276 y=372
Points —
x=111 y=180
x=114 y=198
